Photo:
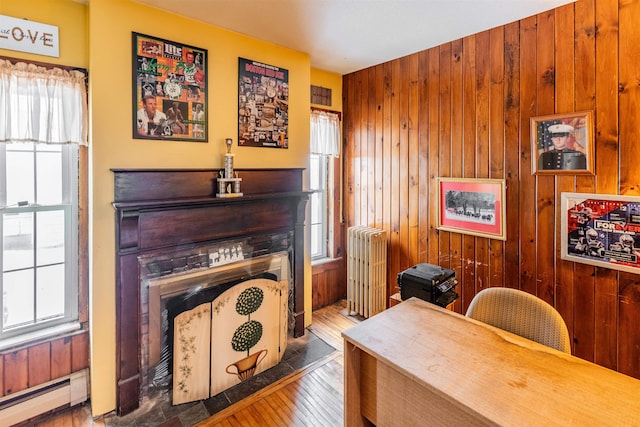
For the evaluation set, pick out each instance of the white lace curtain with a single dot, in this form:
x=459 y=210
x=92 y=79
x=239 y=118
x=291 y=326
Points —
x=325 y=133
x=42 y=105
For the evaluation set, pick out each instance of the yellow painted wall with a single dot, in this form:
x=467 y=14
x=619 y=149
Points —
x=69 y=16
x=98 y=37
x=111 y=23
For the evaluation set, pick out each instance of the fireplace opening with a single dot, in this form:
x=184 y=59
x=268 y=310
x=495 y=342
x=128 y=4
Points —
x=188 y=290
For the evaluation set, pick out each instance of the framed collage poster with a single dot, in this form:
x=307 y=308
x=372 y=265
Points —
x=472 y=206
x=169 y=90
x=601 y=230
x=263 y=105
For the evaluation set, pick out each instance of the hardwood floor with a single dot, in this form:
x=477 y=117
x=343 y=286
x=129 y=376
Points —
x=313 y=396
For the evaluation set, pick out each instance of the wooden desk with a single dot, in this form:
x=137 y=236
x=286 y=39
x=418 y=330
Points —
x=417 y=364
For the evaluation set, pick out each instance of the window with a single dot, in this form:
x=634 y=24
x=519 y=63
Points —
x=325 y=138
x=320 y=185
x=39 y=258
x=44 y=114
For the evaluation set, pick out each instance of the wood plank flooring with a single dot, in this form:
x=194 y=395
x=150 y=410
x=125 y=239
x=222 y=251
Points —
x=311 y=397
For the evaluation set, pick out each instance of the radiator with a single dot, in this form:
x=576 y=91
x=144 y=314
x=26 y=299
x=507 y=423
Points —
x=66 y=391
x=366 y=270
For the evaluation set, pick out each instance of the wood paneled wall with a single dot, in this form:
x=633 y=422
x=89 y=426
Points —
x=328 y=283
x=37 y=364
x=462 y=110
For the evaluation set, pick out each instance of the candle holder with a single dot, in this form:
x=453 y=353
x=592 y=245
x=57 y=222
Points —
x=228 y=185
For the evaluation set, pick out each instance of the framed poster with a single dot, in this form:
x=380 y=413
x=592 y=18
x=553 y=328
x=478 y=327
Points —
x=169 y=90
x=472 y=206
x=263 y=105
x=562 y=144
x=601 y=230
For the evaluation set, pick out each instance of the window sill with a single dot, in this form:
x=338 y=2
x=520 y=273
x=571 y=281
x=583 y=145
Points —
x=326 y=260
x=38 y=336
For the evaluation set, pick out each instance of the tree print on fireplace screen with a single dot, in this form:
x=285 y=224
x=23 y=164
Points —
x=245 y=334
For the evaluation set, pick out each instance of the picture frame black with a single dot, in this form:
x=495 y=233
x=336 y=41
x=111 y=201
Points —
x=170 y=90
x=263 y=105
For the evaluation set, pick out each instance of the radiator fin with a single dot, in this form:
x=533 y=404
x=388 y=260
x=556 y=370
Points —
x=366 y=270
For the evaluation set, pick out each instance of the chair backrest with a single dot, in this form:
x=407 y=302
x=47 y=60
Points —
x=523 y=314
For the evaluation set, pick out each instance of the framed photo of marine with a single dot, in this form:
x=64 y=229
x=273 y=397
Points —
x=263 y=105
x=169 y=90
x=473 y=206
x=601 y=230
x=562 y=144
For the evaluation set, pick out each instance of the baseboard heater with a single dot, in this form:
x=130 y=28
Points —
x=21 y=406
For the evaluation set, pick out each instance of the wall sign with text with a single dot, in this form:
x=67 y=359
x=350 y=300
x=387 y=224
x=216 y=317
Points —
x=28 y=36
x=169 y=90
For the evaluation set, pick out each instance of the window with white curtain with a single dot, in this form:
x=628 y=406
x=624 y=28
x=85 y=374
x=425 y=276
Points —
x=43 y=112
x=325 y=145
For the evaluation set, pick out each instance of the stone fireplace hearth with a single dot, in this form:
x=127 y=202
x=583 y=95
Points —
x=161 y=214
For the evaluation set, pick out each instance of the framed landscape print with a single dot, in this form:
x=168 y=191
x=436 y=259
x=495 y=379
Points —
x=169 y=90
x=601 y=230
x=263 y=105
x=562 y=144
x=472 y=206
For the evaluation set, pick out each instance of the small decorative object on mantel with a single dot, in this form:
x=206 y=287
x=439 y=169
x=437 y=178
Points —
x=228 y=184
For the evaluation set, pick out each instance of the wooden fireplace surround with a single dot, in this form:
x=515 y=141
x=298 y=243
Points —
x=160 y=209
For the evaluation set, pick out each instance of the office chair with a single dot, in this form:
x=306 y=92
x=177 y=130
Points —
x=521 y=313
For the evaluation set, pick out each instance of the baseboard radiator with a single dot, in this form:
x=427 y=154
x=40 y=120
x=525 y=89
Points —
x=366 y=270
x=66 y=391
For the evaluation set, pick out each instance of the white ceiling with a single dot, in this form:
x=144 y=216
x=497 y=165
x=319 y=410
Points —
x=343 y=36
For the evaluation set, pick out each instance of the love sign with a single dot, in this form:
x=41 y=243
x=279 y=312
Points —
x=28 y=36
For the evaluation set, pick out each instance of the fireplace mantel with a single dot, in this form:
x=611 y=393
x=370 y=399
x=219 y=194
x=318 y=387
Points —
x=161 y=209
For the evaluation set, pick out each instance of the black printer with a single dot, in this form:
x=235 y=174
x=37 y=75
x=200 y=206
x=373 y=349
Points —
x=428 y=282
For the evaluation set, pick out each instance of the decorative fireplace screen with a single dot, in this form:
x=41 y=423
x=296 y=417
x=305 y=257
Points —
x=195 y=319
x=221 y=327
